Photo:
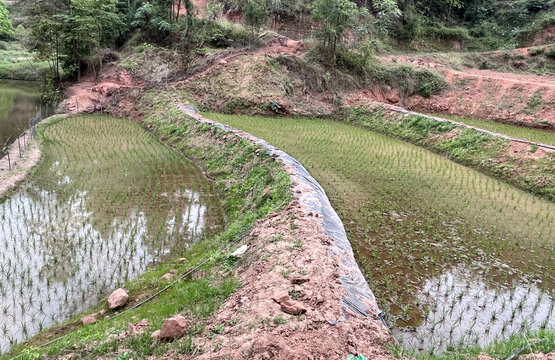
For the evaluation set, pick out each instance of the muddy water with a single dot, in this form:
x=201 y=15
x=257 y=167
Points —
x=19 y=102
x=94 y=214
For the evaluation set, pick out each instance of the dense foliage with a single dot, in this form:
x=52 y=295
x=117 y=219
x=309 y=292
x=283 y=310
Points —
x=74 y=36
x=6 y=27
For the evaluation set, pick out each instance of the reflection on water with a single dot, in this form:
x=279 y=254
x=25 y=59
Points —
x=19 y=102
x=91 y=217
x=463 y=310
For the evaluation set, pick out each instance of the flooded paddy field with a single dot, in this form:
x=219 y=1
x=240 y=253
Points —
x=455 y=257
x=107 y=200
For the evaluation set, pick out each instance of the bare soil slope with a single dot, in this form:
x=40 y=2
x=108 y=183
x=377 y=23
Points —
x=524 y=99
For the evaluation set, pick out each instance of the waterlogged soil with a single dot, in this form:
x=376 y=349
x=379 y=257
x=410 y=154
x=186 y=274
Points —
x=454 y=256
x=107 y=200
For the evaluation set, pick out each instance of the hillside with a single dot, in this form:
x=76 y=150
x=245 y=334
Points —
x=255 y=179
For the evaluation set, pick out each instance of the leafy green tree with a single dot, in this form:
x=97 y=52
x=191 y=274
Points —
x=334 y=17
x=155 y=19
x=46 y=38
x=386 y=12
x=255 y=14
x=6 y=27
x=90 y=25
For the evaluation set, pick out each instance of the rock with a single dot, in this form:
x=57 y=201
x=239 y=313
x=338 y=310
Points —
x=167 y=276
x=173 y=272
x=483 y=356
x=182 y=259
x=240 y=251
x=298 y=279
x=117 y=299
x=89 y=319
x=173 y=328
x=293 y=307
x=281 y=296
x=138 y=328
x=155 y=335
x=393 y=97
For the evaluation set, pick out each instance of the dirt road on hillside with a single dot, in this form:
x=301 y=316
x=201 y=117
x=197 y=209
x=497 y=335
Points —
x=524 y=99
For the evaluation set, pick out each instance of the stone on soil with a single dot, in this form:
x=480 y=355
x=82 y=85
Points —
x=89 y=319
x=173 y=328
x=293 y=307
x=117 y=299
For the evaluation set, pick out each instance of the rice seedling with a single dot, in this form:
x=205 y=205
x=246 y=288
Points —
x=530 y=134
x=107 y=200
x=453 y=255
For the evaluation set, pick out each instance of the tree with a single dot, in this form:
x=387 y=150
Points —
x=334 y=16
x=6 y=26
x=46 y=39
x=386 y=12
x=68 y=33
x=255 y=14
x=90 y=25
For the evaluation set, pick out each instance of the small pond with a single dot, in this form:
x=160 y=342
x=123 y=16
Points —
x=19 y=102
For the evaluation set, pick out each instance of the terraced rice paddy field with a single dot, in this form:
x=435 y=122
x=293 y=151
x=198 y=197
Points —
x=531 y=134
x=107 y=200
x=455 y=257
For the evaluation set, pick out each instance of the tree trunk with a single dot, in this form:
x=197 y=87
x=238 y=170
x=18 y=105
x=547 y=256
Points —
x=178 y=10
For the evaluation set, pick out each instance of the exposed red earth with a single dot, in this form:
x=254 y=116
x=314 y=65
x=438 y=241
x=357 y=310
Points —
x=525 y=99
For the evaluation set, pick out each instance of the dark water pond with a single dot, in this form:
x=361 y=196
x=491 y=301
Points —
x=19 y=102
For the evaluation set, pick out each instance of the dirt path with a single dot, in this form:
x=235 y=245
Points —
x=522 y=99
x=20 y=166
x=529 y=79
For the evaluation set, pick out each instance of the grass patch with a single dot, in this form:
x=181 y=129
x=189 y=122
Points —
x=535 y=342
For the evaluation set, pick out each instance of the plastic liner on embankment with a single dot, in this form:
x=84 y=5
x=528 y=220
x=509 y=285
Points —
x=310 y=194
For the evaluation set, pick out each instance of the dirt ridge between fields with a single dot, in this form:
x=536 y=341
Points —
x=360 y=299
x=440 y=119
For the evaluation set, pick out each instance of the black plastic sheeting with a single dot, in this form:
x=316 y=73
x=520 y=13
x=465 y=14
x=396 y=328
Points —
x=360 y=298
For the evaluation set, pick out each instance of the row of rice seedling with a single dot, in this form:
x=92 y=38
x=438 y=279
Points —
x=544 y=136
x=107 y=200
x=454 y=256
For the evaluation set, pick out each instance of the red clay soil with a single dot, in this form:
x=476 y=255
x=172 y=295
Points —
x=280 y=260
x=524 y=99
x=544 y=36
x=92 y=95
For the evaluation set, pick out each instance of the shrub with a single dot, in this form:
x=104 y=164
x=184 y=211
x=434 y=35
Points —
x=445 y=33
x=6 y=27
